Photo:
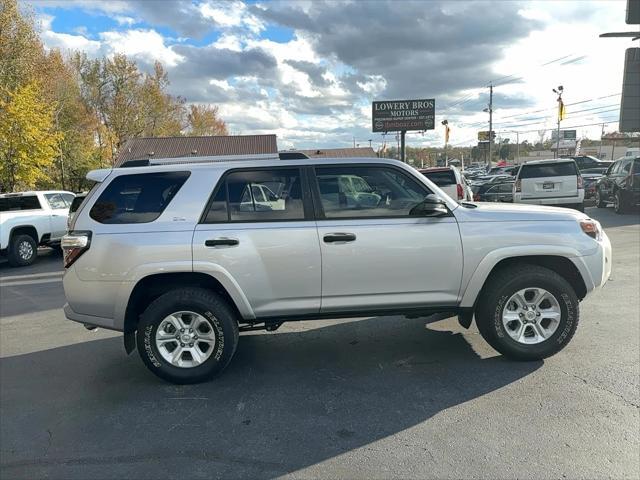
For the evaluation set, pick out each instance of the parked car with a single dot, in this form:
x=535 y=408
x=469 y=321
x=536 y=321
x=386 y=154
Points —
x=29 y=219
x=620 y=185
x=180 y=267
x=587 y=162
x=492 y=179
x=590 y=180
x=450 y=180
x=550 y=182
x=493 y=192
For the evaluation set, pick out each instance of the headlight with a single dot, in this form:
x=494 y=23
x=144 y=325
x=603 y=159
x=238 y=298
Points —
x=591 y=228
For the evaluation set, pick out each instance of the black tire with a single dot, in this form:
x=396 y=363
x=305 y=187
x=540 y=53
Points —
x=619 y=204
x=600 y=203
x=501 y=286
x=214 y=309
x=27 y=256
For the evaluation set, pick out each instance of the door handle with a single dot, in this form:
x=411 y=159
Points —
x=339 y=237
x=218 y=242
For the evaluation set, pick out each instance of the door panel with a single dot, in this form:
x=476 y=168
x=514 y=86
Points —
x=276 y=265
x=391 y=262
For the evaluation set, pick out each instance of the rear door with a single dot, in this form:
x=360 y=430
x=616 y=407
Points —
x=59 y=213
x=542 y=181
x=375 y=254
x=259 y=228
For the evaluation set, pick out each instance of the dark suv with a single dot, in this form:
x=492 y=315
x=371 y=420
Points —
x=620 y=185
x=585 y=162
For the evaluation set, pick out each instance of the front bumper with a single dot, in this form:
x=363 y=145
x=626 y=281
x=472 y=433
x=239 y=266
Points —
x=596 y=268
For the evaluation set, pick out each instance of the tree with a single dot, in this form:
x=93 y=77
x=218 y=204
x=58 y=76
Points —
x=163 y=113
x=204 y=120
x=20 y=48
x=28 y=142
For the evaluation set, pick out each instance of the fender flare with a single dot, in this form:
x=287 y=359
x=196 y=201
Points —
x=478 y=278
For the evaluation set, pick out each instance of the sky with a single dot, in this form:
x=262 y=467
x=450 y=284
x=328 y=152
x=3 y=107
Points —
x=309 y=70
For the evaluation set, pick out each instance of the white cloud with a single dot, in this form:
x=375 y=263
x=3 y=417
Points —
x=228 y=14
x=145 y=44
x=65 y=42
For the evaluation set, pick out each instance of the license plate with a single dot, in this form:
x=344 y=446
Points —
x=548 y=186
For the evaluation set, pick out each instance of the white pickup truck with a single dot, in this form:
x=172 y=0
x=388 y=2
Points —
x=29 y=219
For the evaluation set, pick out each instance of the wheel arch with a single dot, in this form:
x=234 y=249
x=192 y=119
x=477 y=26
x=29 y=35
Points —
x=150 y=287
x=558 y=262
x=25 y=230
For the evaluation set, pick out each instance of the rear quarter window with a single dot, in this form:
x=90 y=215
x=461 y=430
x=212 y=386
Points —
x=441 y=179
x=563 y=169
x=137 y=198
x=23 y=202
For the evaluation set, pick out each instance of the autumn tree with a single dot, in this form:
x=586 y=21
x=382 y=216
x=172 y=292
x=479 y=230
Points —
x=204 y=120
x=163 y=113
x=28 y=141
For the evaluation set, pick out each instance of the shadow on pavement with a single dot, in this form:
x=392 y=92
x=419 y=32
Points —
x=287 y=401
x=48 y=261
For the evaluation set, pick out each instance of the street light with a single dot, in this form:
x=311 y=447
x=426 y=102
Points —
x=446 y=140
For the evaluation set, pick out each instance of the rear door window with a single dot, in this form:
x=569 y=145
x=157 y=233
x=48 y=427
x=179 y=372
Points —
x=56 y=201
x=258 y=196
x=138 y=198
x=442 y=178
x=22 y=202
x=543 y=170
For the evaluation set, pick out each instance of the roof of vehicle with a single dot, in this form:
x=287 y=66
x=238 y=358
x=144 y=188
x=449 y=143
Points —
x=32 y=192
x=549 y=160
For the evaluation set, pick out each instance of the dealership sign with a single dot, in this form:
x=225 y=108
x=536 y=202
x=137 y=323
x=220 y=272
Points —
x=399 y=115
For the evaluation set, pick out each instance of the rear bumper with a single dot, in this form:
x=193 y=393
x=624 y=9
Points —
x=89 y=319
x=550 y=201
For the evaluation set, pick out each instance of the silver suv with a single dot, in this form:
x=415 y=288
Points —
x=181 y=257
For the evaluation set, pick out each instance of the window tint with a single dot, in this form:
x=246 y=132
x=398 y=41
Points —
x=441 y=178
x=56 y=201
x=23 y=202
x=636 y=167
x=139 y=198
x=367 y=192
x=564 y=169
x=505 y=188
x=626 y=167
x=75 y=204
x=68 y=198
x=258 y=196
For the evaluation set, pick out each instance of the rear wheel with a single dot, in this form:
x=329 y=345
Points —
x=23 y=251
x=618 y=203
x=527 y=312
x=187 y=335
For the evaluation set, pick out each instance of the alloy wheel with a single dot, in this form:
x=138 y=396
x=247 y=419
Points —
x=185 y=339
x=25 y=250
x=531 y=315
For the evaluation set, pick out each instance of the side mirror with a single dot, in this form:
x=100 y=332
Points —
x=431 y=206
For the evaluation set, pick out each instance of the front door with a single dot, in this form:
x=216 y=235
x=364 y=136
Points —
x=375 y=254
x=259 y=232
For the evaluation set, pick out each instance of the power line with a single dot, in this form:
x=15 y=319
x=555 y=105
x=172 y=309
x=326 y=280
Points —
x=569 y=115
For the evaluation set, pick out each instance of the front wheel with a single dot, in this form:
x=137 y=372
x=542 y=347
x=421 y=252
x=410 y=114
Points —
x=527 y=312
x=187 y=335
x=600 y=203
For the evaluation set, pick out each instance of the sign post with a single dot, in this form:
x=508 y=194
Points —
x=402 y=116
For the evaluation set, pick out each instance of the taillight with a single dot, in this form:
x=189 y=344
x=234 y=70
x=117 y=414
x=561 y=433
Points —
x=580 y=181
x=591 y=228
x=74 y=244
x=476 y=197
x=460 y=192
x=518 y=186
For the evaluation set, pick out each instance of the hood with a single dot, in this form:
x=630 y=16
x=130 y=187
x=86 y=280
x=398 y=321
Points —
x=515 y=212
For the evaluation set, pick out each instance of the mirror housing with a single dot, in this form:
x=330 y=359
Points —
x=431 y=206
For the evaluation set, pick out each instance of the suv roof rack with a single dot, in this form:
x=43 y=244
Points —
x=209 y=159
x=292 y=156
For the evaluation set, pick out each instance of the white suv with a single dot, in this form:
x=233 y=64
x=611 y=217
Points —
x=550 y=182
x=181 y=257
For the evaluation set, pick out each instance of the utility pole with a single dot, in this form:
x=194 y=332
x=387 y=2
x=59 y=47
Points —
x=402 y=146
x=370 y=140
x=354 y=142
x=490 y=120
x=600 y=149
x=560 y=114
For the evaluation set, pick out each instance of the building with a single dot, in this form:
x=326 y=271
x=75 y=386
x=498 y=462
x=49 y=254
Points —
x=175 y=147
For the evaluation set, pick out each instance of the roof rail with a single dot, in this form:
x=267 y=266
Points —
x=292 y=156
x=208 y=159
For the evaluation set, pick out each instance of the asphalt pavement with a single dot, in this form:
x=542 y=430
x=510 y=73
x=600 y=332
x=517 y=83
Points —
x=385 y=397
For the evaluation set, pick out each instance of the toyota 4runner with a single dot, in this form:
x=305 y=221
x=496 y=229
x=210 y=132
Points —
x=181 y=256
